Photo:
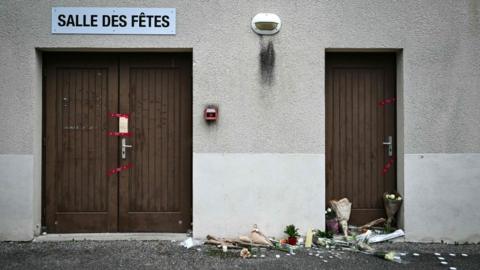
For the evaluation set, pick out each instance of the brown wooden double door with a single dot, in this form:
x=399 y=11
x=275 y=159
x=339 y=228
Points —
x=360 y=117
x=82 y=194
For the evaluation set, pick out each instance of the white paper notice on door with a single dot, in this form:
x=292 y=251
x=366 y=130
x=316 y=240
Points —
x=123 y=124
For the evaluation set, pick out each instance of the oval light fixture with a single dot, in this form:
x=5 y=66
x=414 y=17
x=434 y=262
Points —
x=266 y=23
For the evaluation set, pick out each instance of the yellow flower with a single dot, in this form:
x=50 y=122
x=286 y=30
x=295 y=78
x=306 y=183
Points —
x=389 y=256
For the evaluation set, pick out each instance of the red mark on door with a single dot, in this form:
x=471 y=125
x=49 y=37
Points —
x=119 y=115
x=120 y=134
x=119 y=169
x=386 y=101
x=387 y=166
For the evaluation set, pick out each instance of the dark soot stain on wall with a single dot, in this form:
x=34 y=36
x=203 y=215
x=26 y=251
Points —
x=267 y=62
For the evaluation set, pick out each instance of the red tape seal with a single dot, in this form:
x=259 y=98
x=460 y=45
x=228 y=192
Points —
x=119 y=115
x=386 y=101
x=387 y=166
x=119 y=169
x=119 y=134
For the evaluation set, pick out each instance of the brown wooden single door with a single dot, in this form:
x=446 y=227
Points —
x=357 y=125
x=79 y=91
x=155 y=194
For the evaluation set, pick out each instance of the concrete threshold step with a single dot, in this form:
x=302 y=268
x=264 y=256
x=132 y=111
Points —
x=111 y=237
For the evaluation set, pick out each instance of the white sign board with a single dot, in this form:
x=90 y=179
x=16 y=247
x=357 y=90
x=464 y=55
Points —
x=113 y=21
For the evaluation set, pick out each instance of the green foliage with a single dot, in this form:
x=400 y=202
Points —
x=388 y=228
x=330 y=214
x=291 y=231
x=324 y=234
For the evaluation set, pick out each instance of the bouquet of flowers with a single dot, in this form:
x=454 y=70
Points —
x=391 y=256
x=392 y=202
x=331 y=221
x=342 y=208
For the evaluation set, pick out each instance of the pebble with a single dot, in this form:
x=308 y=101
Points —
x=436 y=254
x=416 y=254
x=278 y=256
x=441 y=258
x=453 y=255
x=443 y=262
x=464 y=255
x=453 y=268
x=325 y=261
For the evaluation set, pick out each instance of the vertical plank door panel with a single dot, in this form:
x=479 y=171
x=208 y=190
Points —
x=79 y=90
x=356 y=129
x=155 y=194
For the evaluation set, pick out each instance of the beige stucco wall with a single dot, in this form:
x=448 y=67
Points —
x=440 y=42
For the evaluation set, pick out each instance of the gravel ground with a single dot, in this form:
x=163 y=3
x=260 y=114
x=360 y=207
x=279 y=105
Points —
x=169 y=255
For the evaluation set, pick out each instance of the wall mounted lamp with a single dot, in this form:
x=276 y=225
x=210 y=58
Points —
x=266 y=23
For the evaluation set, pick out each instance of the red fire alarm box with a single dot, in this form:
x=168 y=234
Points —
x=211 y=113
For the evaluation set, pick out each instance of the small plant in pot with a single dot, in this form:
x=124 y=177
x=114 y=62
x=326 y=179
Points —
x=331 y=221
x=292 y=233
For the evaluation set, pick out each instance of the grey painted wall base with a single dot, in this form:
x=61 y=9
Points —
x=442 y=197
x=231 y=192
x=16 y=191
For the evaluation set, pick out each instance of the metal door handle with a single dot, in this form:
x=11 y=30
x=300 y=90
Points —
x=124 y=148
x=390 y=145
